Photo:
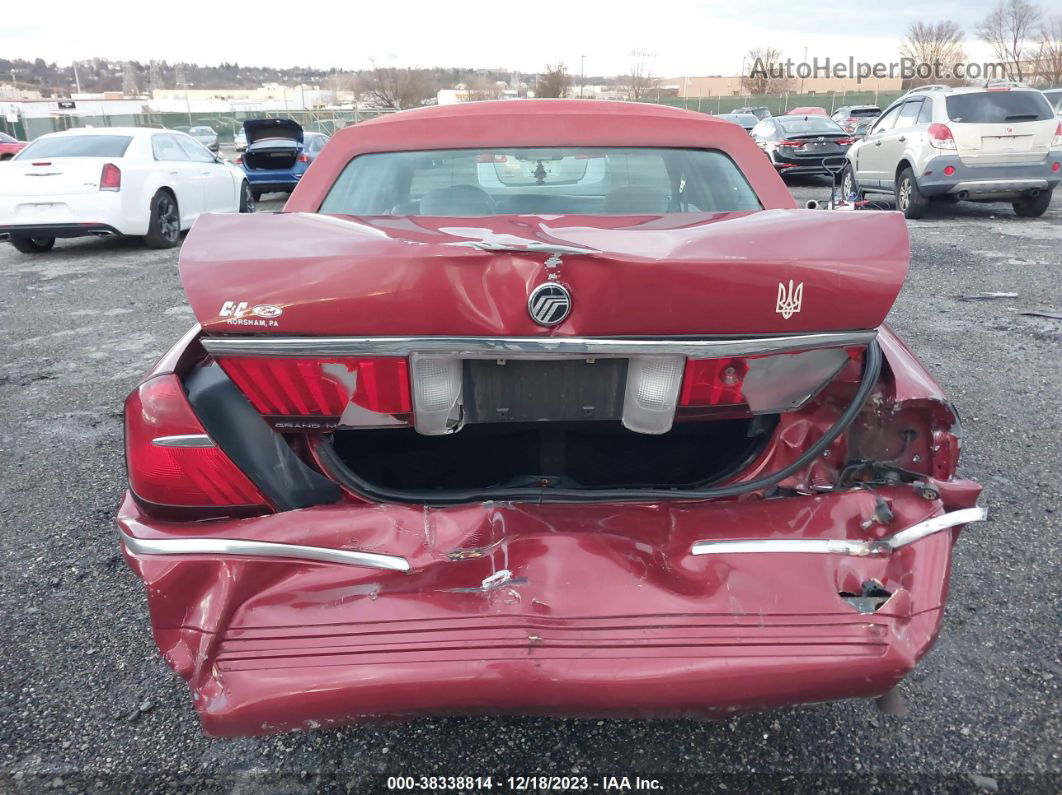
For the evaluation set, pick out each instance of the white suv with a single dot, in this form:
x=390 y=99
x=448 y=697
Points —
x=988 y=144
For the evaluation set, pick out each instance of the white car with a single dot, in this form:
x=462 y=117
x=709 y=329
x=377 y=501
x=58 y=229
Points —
x=240 y=141
x=996 y=143
x=114 y=181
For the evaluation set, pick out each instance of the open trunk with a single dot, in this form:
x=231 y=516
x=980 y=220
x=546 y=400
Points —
x=272 y=155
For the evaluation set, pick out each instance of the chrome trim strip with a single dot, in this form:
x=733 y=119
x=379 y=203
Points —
x=530 y=347
x=184 y=440
x=881 y=546
x=261 y=549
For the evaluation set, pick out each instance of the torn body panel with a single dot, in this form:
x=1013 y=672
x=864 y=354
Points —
x=541 y=609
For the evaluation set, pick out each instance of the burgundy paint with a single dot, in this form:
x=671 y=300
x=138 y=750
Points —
x=710 y=274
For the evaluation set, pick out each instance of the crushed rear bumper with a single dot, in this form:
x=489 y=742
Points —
x=575 y=610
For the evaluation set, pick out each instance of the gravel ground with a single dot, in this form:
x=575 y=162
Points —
x=86 y=702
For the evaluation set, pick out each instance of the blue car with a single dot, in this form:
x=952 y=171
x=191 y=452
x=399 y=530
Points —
x=278 y=154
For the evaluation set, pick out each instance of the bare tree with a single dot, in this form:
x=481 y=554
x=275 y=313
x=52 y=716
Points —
x=1007 y=31
x=481 y=87
x=554 y=81
x=640 y=79
x=765 y=74
x=940 y=43
x=1049 y=57
x=129 y=87
x=391 y=87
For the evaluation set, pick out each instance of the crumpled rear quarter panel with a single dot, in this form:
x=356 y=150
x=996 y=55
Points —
x=603 y=611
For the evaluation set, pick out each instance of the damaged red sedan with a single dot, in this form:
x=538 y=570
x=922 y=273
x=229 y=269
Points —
x=540 y=407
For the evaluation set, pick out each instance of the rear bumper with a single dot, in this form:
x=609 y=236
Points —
x=57 y=230
x=266 y=180
x=69 y=213
x=984 y=181
x=573 y=610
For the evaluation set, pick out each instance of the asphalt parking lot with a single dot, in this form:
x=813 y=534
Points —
x=86 y=702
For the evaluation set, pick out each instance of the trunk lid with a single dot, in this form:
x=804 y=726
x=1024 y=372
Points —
x=261 y=129
x=1001 y=127
x=769 y=272
x=61 y=176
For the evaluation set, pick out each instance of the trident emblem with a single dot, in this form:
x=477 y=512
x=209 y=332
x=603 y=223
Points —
x=789 y=301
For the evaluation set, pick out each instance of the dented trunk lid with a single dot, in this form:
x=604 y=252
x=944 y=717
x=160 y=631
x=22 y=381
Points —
x=768 y=272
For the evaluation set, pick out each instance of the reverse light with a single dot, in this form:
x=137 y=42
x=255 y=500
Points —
x=172 y=462
x=437 y=390
x=652 y=391
x=110 y=177
x=346 y=390
x=940 y=136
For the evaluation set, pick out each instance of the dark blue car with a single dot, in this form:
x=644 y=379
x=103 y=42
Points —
x=278 y=154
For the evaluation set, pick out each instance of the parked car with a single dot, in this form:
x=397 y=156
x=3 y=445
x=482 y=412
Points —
x=800 y=144
x=240 y=141
x=9 y=147
x=862 y=128
x=206 y=136
x=435 y=448
x=278 y=153
x=745 y=121
x=850 y=116
x=807 y=111
x=759 y=111
x=1054 y=96
x=1000 y=143
x=114 y=181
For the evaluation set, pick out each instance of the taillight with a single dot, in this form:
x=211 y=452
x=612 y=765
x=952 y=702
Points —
x=303 y=159
x=789 y=143
x=760 y=384
x=173 y=463
x=239 y=160
x=844 y=141
x=940 y=136
x=323 y=388
x=1057 y=142
x=110 y=177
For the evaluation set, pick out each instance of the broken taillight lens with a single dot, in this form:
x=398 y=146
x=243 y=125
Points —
x=172 y=462
x=760 y=384
x=285 y=386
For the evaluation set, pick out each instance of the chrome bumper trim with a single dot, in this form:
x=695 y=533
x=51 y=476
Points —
x=260 y=549
x=530 y=347
x=881 y=546
x=184 y=440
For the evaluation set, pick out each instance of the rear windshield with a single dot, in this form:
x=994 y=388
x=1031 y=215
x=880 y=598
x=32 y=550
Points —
x=998 y=107
x=555 y=180
x=76 y=146
x=813 y=124
x=854 y=112
x=1055 y=98
x=201 y=131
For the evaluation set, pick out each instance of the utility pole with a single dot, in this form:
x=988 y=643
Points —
x=582 y=74
x=805 y=62
x=77 y=80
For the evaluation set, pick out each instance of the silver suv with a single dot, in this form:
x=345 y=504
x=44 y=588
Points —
x=988 y=144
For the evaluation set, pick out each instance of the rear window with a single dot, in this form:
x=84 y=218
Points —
x=554 y=180
x=998 y=107
x=813 y=124
x=1055 y=99
x=857 y=112
x=6 y=139
x=76 y=146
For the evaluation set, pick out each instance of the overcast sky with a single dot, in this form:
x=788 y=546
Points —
x=688 y=37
